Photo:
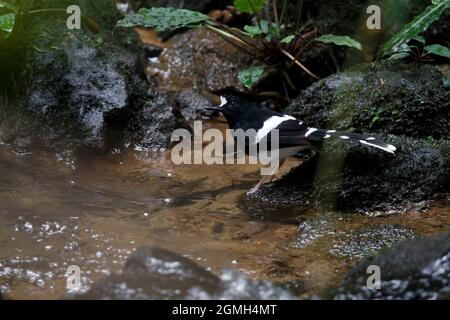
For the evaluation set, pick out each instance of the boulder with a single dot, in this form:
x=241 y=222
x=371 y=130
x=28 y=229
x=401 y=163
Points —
x=85 y=89
x=391 y=98
x=415 y=269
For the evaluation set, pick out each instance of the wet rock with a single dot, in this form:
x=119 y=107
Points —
x=390 y=98
x=415 y=269
x=192 y=105
x=153 y=273
x=201 y=60
x=152 y=124
x=353 y=177
x=91 y=92
x=336 y=234
x=369 y=240
x=218 y=227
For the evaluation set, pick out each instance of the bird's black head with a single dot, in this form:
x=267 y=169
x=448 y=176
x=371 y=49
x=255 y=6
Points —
x=234 y=105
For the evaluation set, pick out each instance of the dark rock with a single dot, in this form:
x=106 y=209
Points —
x=395 y=99
x=356 y=177
x=86 y=91
x=415 y=269
x=192 y=105
x=153 y=273
x=218 y=227
x=152 y=126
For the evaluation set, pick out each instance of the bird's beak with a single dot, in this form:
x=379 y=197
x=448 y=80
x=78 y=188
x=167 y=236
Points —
x=214 y=108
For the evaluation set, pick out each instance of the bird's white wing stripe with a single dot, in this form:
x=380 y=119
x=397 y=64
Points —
x=310 y=131
x=388 y=148
x=271 y=124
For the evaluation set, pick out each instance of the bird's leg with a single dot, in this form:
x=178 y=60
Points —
x=265 y=179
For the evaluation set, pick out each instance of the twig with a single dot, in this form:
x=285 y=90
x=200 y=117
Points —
x=288 y=55
x=283 y=12
x=275 y=14
x=299 y=14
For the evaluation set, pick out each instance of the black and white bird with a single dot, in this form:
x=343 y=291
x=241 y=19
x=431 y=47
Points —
x=294 y=135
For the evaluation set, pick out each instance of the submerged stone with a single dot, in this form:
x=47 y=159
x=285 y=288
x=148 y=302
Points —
x=153 y=273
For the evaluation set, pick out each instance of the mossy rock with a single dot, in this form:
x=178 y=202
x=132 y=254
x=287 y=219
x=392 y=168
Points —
x=408 y=100
x=85 y=89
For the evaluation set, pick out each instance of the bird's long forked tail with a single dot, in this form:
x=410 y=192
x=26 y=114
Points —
x=323 y=134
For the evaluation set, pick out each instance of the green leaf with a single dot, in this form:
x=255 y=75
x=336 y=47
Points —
x=250 y=76
x=7 y=22
x=163 y=19
x=398 y=56
x=419 y=24
x=403 y=51
x=8 y=6
x=256 y=30
x=419 y=39
x=249 y=6
x=288 y=39
x=264 y=28
x=340 y=41
x=438 y=50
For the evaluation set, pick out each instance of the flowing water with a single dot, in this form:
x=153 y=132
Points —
x=94 y=211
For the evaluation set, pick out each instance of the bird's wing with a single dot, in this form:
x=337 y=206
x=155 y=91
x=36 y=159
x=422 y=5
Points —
x=291 y=133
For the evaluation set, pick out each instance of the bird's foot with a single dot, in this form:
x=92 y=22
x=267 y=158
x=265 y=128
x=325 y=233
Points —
x=252 y=191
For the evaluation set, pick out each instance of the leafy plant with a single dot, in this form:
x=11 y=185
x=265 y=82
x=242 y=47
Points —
x=417 y=50
x=395 y=46
x=275 y=45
